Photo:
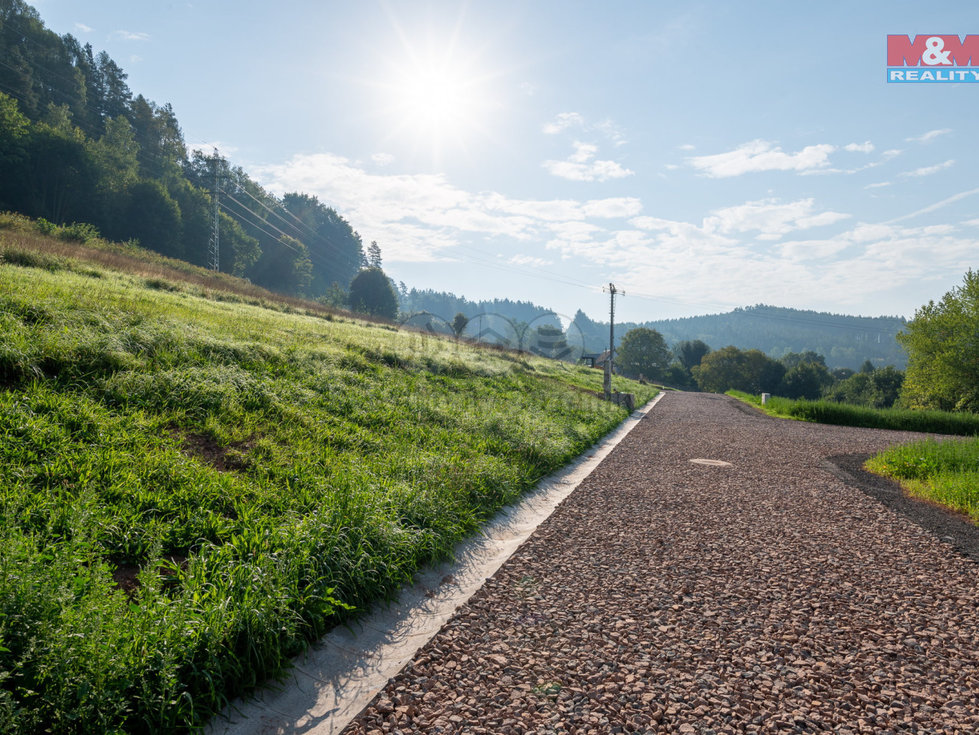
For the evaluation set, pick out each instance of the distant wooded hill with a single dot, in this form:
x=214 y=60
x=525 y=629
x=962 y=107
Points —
x=447 y=305
x=845 y=341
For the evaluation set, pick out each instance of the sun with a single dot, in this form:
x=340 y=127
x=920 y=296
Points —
x=435 y=101
x=435 y=97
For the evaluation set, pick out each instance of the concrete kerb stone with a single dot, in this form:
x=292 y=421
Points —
x=331 y=683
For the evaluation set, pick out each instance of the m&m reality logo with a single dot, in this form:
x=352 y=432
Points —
x=933 y=59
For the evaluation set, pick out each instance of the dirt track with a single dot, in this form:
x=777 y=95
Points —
x=668 y=596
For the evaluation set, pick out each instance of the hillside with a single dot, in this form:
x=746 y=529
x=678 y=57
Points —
x=845 y=341
x=78 y=145
x=198 y=482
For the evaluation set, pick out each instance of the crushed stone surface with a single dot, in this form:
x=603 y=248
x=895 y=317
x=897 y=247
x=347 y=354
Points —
x=670 y=596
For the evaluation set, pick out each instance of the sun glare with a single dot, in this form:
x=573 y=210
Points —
x=435 y=98
x=434 y=101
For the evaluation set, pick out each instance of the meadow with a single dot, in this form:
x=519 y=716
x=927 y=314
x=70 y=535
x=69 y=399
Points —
x=196 y=482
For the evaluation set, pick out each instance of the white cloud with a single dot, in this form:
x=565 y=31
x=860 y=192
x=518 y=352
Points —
x=929 y=136
x=687 y=147
x=131 y=36
x=866 y=147
x=756 y=251
x=382 y=159
x=580 y=166
x=576 y=121
x=611 y=131
x=612 y=208
x=83 y=28
x=769 y=217
x=562 y=122
x=418 y=217
x=929 y=170
x=848 y=269
x=583 y=152
x=760 y=155
x=878 y=185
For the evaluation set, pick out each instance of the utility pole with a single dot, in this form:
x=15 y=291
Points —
x=612 y=291
x=214 y=250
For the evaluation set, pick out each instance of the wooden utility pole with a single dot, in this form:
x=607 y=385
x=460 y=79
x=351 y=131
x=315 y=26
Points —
x=611 y=341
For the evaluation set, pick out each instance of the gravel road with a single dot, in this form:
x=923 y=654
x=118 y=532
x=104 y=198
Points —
x=669 y=596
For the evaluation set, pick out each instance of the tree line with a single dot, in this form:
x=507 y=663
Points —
x=693 y=365
x=845 y=341
x=942 y=343
x=76 y=145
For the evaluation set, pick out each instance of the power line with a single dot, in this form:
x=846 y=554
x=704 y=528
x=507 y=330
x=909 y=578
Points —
x=317 y=236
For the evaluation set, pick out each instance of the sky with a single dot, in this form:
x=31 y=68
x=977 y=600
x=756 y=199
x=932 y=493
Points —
x=701 y=155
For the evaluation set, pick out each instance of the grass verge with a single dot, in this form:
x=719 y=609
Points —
x=841 y=414
x=193 y=488
x=946 y=472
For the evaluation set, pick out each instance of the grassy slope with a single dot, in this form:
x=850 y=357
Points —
x=253 y=475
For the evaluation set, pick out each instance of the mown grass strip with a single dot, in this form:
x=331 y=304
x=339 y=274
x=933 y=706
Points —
x=841 y=414
x=259 y=476
x=945 y=472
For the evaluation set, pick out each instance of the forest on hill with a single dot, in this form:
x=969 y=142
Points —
x=845 y=341
x=77 y=146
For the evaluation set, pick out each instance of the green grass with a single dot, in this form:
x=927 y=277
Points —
x=943 y=472
x=841 y=414
x=257 y=476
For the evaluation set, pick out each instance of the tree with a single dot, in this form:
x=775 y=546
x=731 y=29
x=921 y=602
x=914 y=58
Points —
x=371 y=293
x=459 y=323
x=550 y=341
x=161 y=143
x=643 y=352
x=943 y=351
x=879 y=388
x=115 y=154
x=59 y=175
x=334 y=247
x=794 y=359
x=690 y=352
x=111 y=95
x=731 y=369
x=150 y=215
x=374 y=255
x=284 y=267
x=805 y=380
x=14 y=139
